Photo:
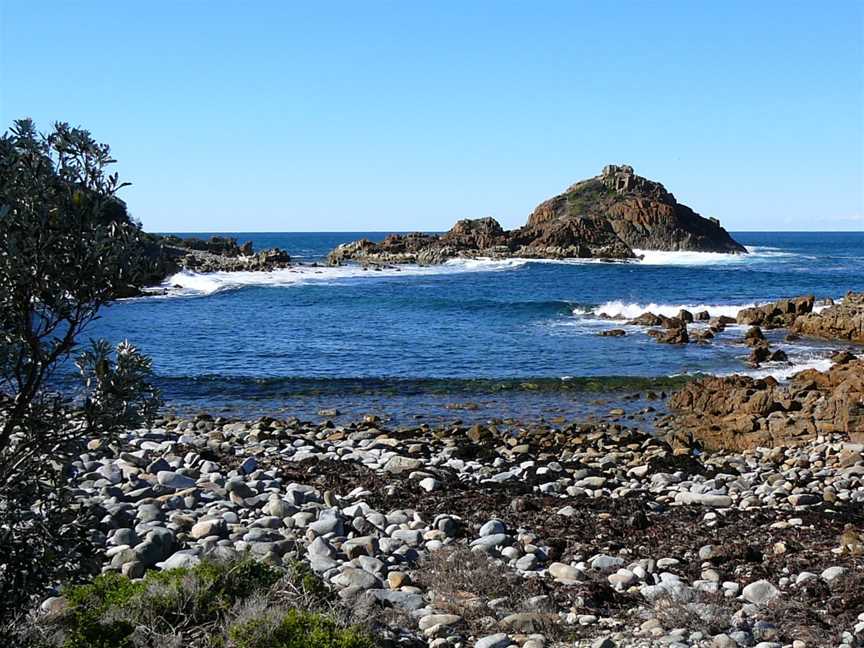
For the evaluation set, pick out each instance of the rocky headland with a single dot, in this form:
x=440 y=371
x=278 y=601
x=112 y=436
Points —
x=216 y=254
x=604 y=217
x=162 y=256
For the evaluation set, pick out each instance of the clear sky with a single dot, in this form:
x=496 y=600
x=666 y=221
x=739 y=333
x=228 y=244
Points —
x=284 y=116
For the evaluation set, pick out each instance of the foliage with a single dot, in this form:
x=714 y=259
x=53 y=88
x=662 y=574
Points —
x=67 y=247
x=295 y=629
x=585 y=197
x=107 y=611
x=241 y=600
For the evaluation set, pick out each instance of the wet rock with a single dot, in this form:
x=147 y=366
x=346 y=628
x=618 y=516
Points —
x=844 y=321
x=613 y=333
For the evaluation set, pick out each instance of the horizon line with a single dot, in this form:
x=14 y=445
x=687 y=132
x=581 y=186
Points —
x=400 y=231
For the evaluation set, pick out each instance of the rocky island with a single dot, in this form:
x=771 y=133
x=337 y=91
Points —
x=606 y=217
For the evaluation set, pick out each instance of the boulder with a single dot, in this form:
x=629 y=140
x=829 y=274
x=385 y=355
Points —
x=780 y=314
x=843 y=321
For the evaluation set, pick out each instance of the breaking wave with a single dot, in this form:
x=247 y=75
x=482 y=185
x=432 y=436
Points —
x=618 y=309
x=189 y=283
x=756 y=254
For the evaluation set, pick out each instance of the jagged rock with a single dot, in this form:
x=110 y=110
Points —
x=671 y=335
x=607 y=216
x=780 y=314
x=753 y=336
x=685 y=316
x=844 y=321
x=738 y=412
x=166 y=255
x=759 y=354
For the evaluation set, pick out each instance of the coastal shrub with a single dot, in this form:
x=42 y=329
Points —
x=248 y=602
x=67 y=247
x=292 y=628
x=462 y=581
x=711 y=612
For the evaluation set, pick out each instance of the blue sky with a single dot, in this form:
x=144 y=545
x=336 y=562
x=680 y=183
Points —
x=284 y=116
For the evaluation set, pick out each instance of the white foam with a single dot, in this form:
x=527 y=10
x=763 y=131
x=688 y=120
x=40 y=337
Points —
x=189 y=283
x=629 y=310
x=687 y=258
x=784 y=371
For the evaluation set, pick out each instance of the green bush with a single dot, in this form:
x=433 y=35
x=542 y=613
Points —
x=82 y=624
x=106 y=612
x=296 y=629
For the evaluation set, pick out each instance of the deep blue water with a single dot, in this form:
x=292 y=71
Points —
x=259 y=338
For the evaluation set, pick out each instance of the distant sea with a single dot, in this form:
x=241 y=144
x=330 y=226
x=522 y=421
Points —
x=468 y=338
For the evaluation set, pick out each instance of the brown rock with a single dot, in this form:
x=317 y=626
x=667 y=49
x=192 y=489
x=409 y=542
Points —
x=753 y=335
x=613 y=333
x=779 y=356
x=737 y=412
x=603 y=217
x=844 y=321
x=759 y=354
x=674 y=335
x=646 y=319
x=780 y=314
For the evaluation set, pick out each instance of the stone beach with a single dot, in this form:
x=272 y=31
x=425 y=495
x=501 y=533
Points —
x=606 y=536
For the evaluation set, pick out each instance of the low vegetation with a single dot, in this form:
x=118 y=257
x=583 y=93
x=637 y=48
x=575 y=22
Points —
x=463 y=582
x=242 y=604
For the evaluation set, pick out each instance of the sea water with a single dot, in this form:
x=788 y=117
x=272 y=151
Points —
x=522 y=334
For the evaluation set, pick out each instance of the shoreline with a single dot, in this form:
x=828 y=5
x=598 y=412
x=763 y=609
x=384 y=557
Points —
x=638 y=525
x=615 y=535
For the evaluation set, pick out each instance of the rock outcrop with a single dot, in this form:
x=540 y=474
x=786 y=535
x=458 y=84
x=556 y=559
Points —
x=737 y=412
x=780 y=314
x=163 y=256
x=640 y=212
x=607 y=217
x=844 y=321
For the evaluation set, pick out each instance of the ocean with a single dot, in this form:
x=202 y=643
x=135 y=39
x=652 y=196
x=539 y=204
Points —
x=467 y=339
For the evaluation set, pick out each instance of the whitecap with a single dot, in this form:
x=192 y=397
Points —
x=190 y=283
x=619 y=309
x=690 y=258
x=784 y=371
